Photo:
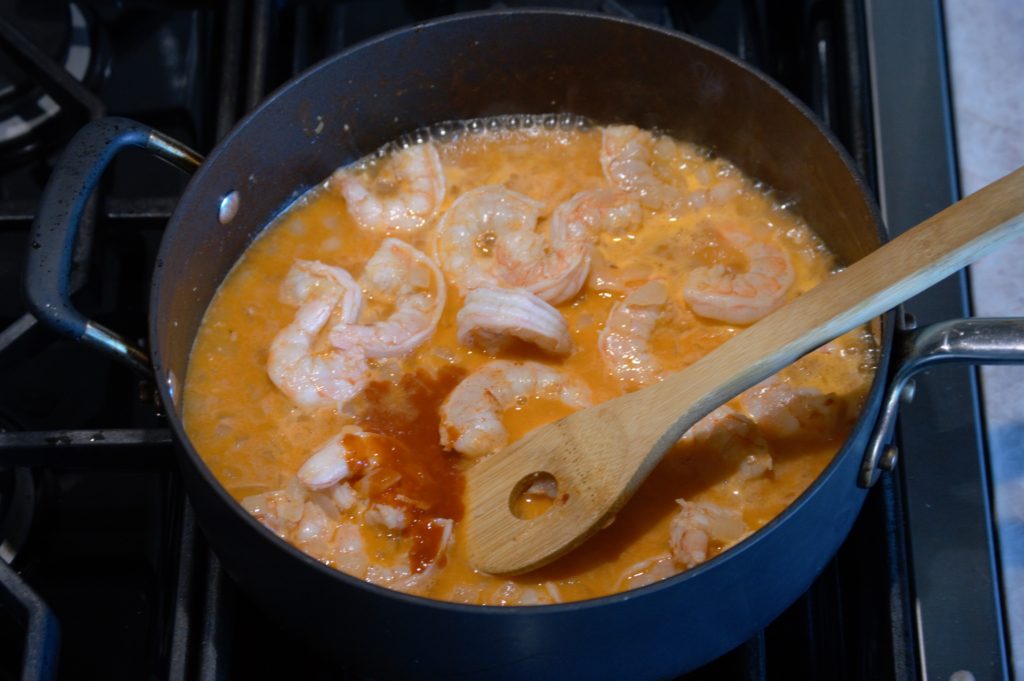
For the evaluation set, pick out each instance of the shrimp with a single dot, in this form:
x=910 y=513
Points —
x=699 y=524
x=626 y=161
x=590 y=213
x=406 y=195
x=409 y=280
x=402 y=577
x=719 y=293
x=344 y=496
x=312 y=526
x=349 y=552
x=318 y=534
x=624 y=340
x=488 y=238
x=310 y=377
x=784 y=412
x=646 y=572
x=471 y=415
x=470 y=230
x=294 y=516
x=492 y=317
x=559 y=274
x=736 y=437
x=386 y=517
x=328 y=465
x=279 y=511
x=511 y=593
x=309 y=278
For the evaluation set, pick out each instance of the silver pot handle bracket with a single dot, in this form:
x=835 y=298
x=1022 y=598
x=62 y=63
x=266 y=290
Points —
x=958 y=341
x=63 y=205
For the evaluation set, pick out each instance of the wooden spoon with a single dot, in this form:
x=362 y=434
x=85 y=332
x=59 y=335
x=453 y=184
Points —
x=599 y=456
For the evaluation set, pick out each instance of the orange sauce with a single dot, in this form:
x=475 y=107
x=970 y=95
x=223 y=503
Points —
x=254 y=439
x=430 y=481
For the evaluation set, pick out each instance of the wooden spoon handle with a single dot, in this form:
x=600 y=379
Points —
x=917 y=259
x=599 y=456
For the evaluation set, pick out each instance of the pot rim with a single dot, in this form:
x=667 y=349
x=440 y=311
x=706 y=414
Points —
x=166 y=385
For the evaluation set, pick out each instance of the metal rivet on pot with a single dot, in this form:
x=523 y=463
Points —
x=889 y=457
x=229 y=207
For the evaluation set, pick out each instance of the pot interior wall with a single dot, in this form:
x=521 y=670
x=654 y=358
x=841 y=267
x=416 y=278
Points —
x=524 y=62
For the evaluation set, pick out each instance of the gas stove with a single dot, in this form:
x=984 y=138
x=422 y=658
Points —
x=103 y=571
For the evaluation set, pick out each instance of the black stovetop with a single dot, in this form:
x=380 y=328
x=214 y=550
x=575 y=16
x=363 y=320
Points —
x=111 y=577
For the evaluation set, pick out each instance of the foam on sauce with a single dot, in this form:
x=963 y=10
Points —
x=254 y=439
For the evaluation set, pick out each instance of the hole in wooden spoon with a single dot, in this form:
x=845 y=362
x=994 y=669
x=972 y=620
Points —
x=533 y=496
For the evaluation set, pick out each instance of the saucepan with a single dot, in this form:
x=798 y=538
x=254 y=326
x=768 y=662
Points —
x=541 y=64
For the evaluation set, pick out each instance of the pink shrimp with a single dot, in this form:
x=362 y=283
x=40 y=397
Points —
x=626 y=161
x=718 y=292
x=491 y=318
x=309 y=376
x=471 y=416
x=624 y=340
x=409 y=281
x=406 y=195
x=488 y=237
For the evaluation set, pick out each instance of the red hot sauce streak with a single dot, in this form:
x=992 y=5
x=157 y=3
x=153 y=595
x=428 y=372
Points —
x=430 y=486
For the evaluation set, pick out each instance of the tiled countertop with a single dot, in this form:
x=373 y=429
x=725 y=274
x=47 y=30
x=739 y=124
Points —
x=986 y=57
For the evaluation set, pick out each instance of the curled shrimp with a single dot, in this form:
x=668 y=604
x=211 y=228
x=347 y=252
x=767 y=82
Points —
x=590 y=213
x=624 y=340
x=784 y=412
x=471 y=415
x=278 y=510
x=626 y=161
x=698 y=526
x=406 y=194
x=558 y=274
x=410 y=282
x=311 y=373
x=718 y=292
x=401 y=577
x=386 y=517
x=491 y=318
x=307 y=520
x=310 y=278
x=329 y=465
x=734 y=437
x=488 y=237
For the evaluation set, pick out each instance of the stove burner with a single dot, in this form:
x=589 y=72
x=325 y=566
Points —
x=29 y=115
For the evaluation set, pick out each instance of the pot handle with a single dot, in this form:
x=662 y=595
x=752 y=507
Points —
x=48 y=275
x=957 y=341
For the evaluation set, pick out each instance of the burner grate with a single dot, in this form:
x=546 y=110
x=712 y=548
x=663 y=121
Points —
x=41 y=643
x=43 y=115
